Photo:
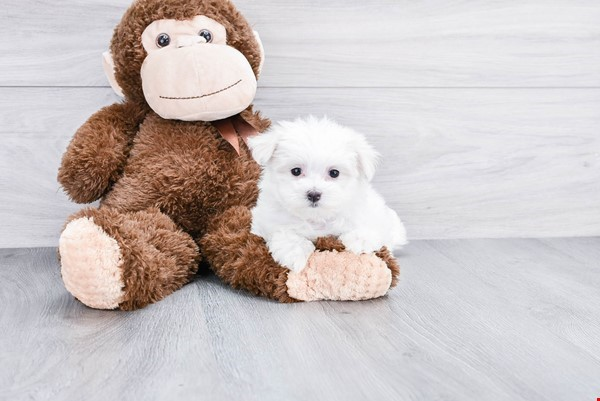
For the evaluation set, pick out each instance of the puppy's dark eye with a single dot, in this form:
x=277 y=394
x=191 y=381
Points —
x=334 y=173
x=163 y=40
x=206 y=34
x=296 y=172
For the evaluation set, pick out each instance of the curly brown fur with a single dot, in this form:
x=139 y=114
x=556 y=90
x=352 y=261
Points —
x=242 y=259
x=158 y=177
x=391 y=263
x=329 y=244
x=255 y=119
x=158 y=258
x=97 y=153
x=187 y=170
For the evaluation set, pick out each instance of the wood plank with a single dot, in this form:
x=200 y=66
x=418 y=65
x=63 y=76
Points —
x=341 y=43
x=456 y=163
x=566 y=272
x=471 y=319
x=496 y=315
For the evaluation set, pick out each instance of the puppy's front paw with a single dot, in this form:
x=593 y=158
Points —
x=293 y=255
x=361 y=241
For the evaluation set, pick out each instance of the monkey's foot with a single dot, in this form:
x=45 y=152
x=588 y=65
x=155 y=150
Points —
x=341 y=276
x=91 y=263
x=120 y=260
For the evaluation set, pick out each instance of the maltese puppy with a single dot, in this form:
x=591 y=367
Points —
x=316 y=183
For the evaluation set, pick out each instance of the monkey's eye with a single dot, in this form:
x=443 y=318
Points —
x=334 y=173
x=296 y=172
x=163 y=40
x=206 y=34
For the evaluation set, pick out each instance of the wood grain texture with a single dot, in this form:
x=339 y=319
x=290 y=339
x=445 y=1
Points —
x=456 y=162
x=340 y=43
x=471 y=320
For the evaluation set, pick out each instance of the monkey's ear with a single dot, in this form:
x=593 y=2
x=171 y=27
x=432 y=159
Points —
x=109 y=70
x=262 y=52
x=263 y=146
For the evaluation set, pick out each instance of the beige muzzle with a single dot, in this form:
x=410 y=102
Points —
x=192 y=80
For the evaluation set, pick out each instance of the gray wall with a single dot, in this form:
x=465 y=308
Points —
x=487 y=113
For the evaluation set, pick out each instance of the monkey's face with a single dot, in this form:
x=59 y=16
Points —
x=191 y=74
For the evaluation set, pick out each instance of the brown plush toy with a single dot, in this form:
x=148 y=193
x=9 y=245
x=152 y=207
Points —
x=175 y=182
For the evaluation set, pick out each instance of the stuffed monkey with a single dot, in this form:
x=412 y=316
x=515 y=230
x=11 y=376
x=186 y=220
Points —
x=174 y=176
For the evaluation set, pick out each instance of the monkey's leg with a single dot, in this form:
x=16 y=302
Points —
x=242 y=259
x=111 y=259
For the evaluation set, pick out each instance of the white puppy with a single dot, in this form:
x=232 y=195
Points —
x=315 y=183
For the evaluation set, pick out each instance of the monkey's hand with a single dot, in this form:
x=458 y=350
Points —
x=97 y=153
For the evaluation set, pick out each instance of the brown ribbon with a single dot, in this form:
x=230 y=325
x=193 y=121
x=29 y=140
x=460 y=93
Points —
x=232 y=128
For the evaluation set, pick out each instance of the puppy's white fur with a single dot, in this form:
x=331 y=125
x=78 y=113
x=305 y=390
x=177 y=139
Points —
x=348 y=208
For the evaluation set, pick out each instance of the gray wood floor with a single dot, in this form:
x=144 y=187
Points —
x=476 y=319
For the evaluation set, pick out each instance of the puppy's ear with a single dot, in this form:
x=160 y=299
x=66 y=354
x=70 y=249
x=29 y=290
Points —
x=367 y=156
x=263 y=146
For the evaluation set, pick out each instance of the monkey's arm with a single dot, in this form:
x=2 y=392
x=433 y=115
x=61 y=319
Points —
x=98 y=152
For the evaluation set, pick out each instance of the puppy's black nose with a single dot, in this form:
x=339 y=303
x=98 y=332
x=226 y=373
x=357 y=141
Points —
x=314 y=196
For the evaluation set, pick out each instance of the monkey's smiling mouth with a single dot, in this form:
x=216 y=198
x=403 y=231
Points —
x=201 y=96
